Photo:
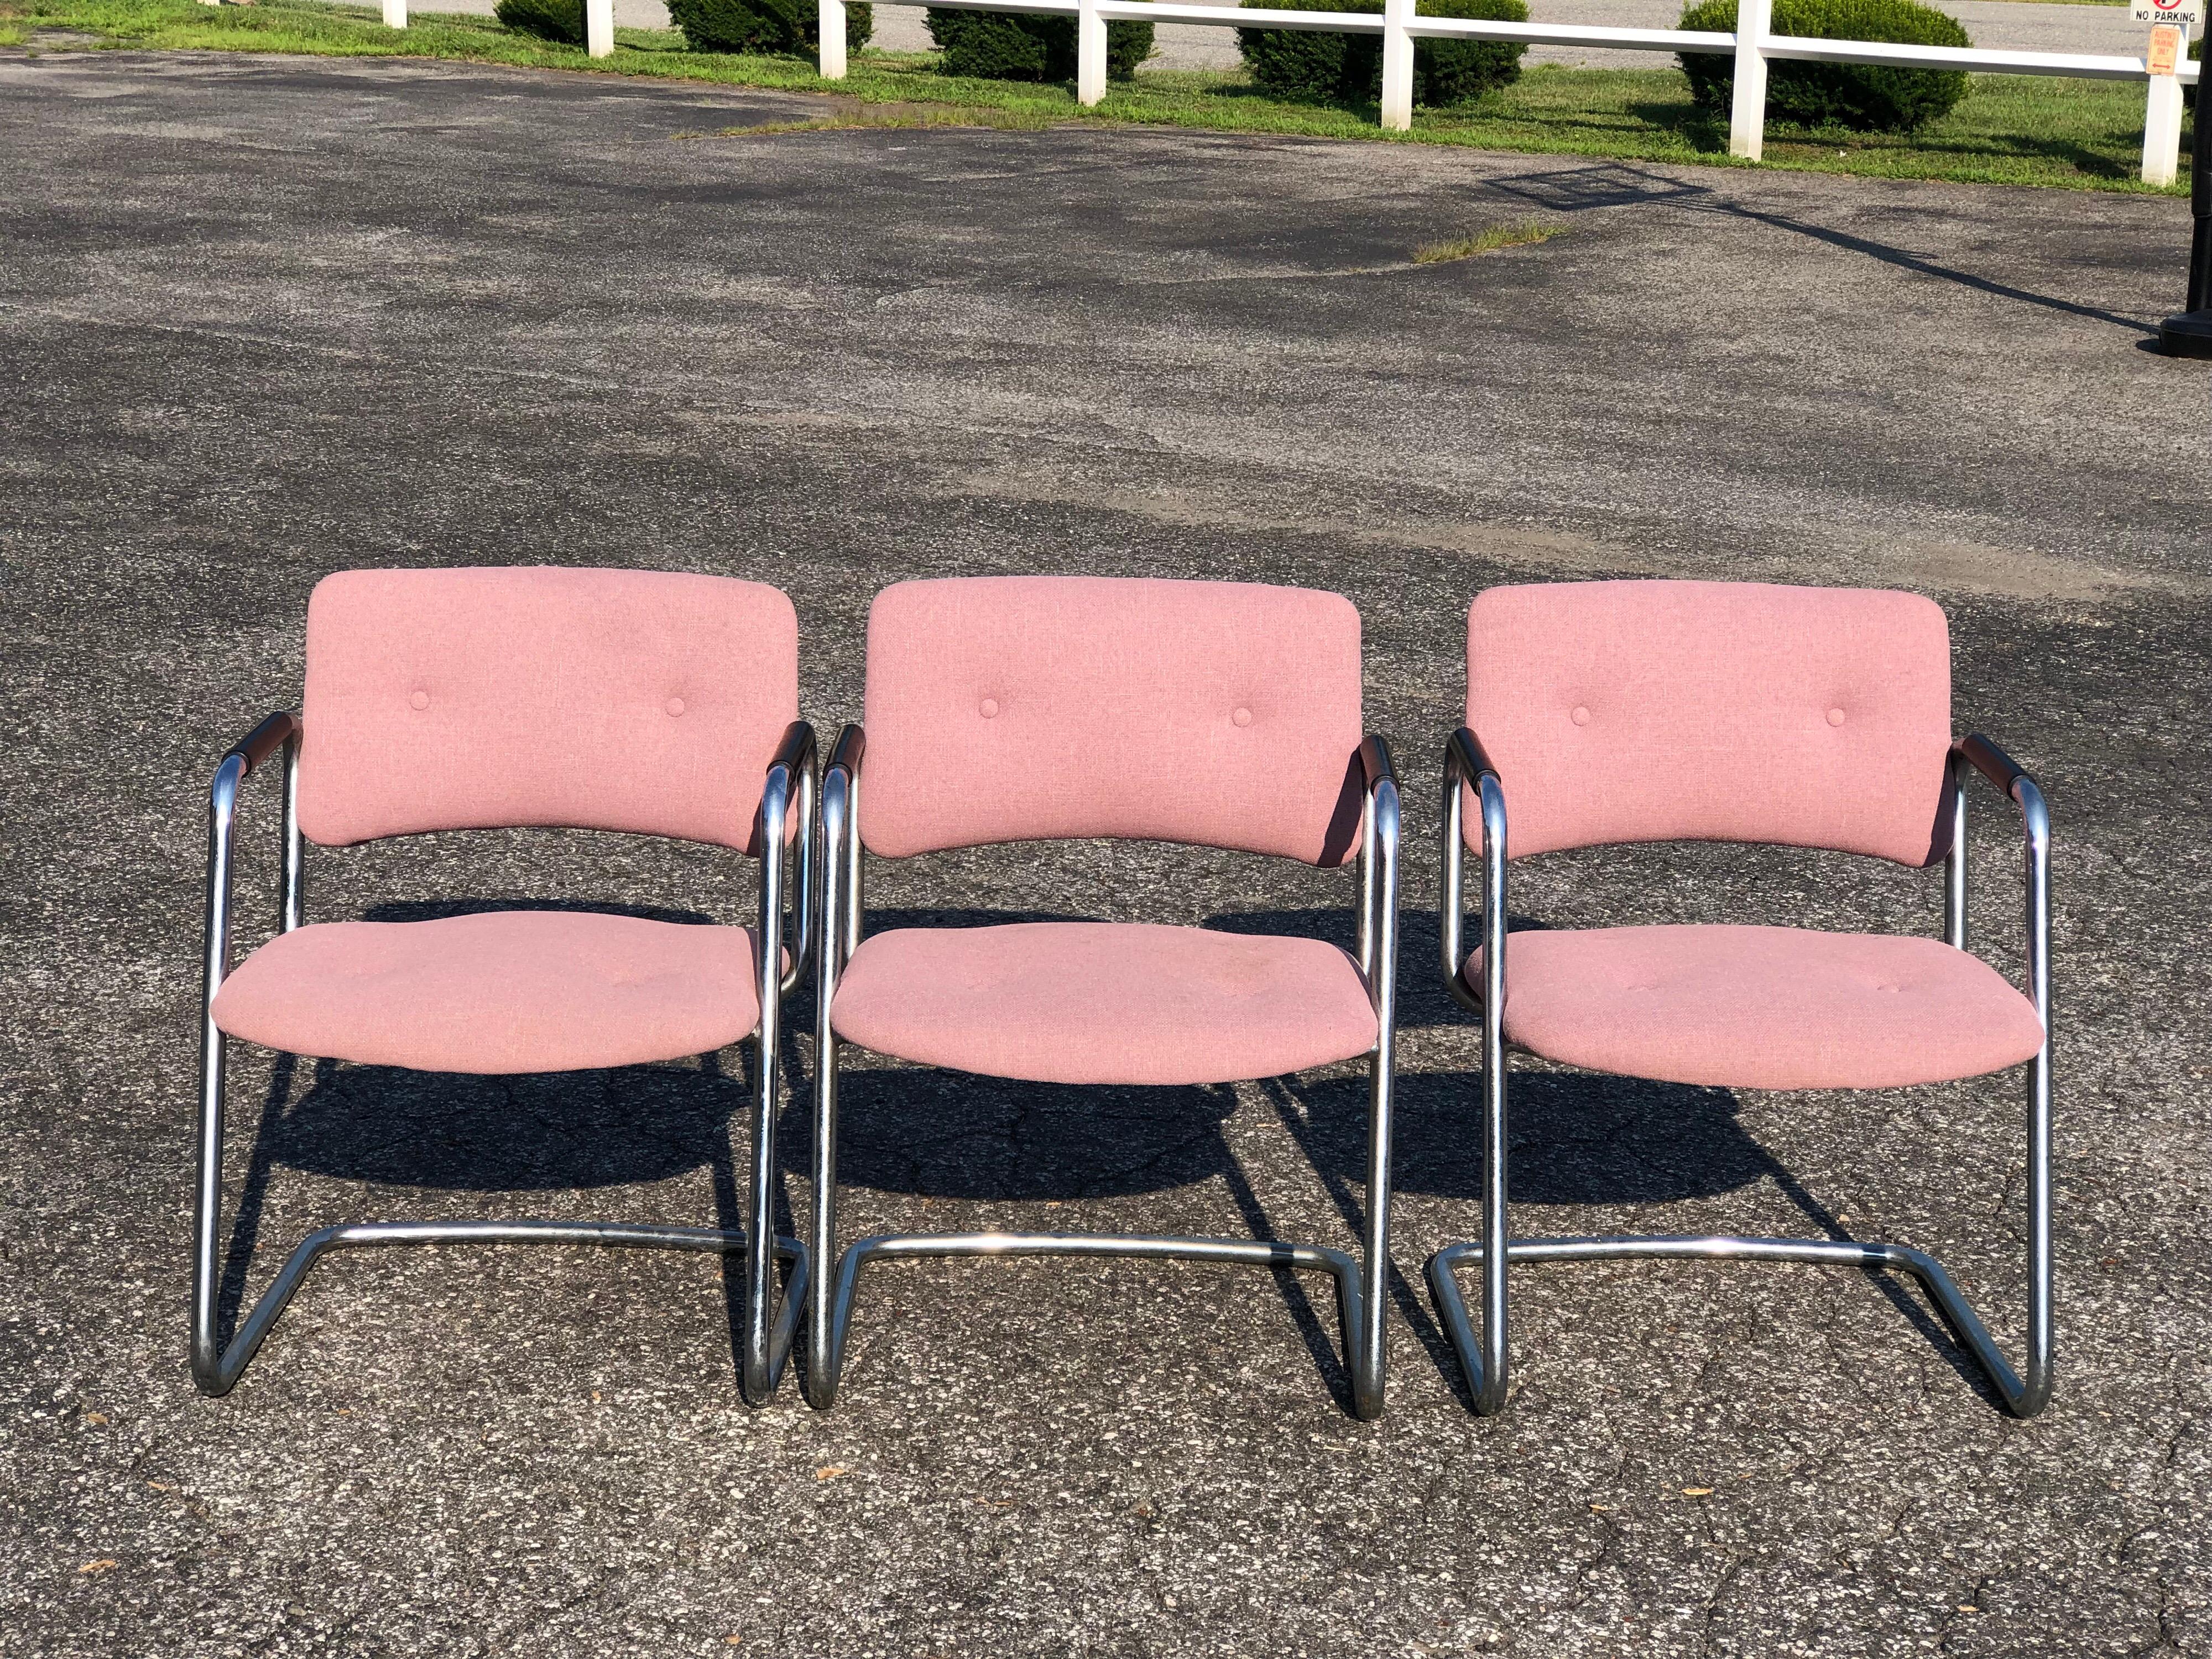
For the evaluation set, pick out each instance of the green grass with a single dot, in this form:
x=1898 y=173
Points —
x=1489 y=240
x=2014 y=130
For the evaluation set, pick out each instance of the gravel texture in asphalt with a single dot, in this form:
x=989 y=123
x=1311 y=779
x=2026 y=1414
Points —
x=261 y=319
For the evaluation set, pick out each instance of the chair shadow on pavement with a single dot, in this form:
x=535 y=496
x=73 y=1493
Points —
x=549 y=1133
x=1575 y=1138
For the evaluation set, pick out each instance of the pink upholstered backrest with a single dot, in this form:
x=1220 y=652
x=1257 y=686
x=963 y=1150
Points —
x=1054 y=708
x=508 y=698
x=1713 y=711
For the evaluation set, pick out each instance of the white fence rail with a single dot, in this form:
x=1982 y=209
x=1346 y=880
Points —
x=1753 y=45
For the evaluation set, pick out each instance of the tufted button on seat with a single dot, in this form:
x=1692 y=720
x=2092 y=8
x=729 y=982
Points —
x=1105 y=1002
x=1761 y=1007
x=505 y=991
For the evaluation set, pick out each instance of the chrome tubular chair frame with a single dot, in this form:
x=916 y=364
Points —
x=770 y=1329
x=1483 y=1357
x=1360 y=1288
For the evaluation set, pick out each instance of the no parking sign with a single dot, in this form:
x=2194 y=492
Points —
x=2184 y=12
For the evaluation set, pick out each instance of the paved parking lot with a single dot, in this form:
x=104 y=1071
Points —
x=261 y=319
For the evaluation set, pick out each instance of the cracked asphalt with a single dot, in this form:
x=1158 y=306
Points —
x=265 y=318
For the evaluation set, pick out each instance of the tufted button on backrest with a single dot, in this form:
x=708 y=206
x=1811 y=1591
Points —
x=1713 y=711
x=510 y=698
x=1220 y=713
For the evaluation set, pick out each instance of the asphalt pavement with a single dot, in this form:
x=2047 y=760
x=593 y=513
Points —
x=261 y=319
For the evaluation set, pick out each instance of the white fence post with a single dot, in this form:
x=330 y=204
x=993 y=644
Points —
x=1089 y=54
x=2162 y=157
x=1754 y=21
x=395 y=14
x=600 y=27
x=1397 y=66
x=2161 y=160
x=831 y=52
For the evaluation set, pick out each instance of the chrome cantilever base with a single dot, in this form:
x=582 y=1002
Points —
x=1482 y=1351
x=215 y=1370
x=770 y=1330
x=822 y=1372
x=1361 y=1283
x=2023 y=1399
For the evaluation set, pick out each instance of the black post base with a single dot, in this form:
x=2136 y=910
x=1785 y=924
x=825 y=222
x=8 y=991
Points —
x=2186 y=334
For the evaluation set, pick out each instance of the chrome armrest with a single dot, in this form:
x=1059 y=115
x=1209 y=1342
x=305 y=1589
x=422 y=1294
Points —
x=280 y=731
x=1379 y=830
x=791 y=769
x=1977 y=753
x=1468 y=763
x=843 y=892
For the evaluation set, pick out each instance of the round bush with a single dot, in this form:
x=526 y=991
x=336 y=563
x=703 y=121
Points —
x=998 y=45
x=1869 y=97
x=1325 y=66
x=560 y=21
x=792 y=26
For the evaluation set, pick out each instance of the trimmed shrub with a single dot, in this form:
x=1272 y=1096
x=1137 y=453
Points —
x=1869 y=97
x=1324 y=66
x=792 y=27
x=998 y=45
x=560 y=21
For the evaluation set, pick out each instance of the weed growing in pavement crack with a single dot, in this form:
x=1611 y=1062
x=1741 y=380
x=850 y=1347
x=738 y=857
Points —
x=1520 y=234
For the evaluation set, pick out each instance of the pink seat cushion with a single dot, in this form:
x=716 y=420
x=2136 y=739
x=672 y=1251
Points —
x=1762 y=1007
x=505 y=991
x=1103 y=1002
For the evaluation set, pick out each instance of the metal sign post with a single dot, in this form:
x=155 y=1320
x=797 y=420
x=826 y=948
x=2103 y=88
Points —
x=2189 y=333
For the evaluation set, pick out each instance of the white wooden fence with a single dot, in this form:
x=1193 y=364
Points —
x=1753 y=45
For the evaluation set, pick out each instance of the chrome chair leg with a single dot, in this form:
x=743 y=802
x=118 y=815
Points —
x=826 y=1315
x=2024 y=1394
x=217 y=1368
x=1482 y=1359
x=1359 y=1292
x=835 y=1319
x=761 y=1366
x=1363 y=1303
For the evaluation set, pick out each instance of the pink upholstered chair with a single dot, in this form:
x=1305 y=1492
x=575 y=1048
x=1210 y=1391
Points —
x=1612 y=712
x=1044 y=707
x=655 y=704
